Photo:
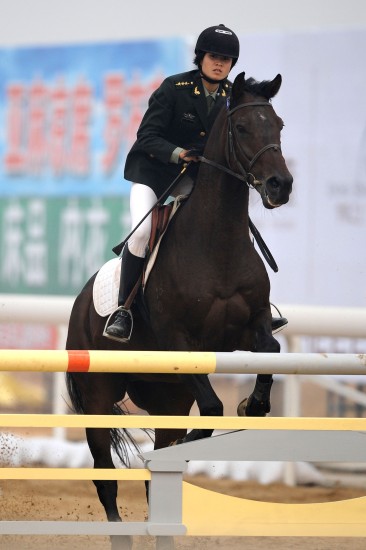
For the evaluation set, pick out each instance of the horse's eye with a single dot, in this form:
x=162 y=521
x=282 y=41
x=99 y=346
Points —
x=241 y=129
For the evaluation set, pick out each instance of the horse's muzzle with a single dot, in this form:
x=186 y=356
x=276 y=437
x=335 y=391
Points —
x=276 y=191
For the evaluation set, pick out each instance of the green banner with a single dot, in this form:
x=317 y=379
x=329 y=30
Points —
x=53 y=245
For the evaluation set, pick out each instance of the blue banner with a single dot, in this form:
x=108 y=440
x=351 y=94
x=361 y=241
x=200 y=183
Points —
x=69 y=114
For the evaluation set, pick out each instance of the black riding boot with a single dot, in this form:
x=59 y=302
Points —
x=278 y=322
x=131 y=270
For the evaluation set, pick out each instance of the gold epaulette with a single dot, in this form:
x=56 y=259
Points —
x=183 y=84
x=225 y=89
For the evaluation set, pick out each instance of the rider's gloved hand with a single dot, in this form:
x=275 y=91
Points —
x=191 y=155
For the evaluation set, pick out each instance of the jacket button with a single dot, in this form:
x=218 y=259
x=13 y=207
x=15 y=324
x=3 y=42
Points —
x=202 y=134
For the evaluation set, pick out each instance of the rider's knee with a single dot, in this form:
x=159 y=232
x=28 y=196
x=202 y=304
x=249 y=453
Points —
x=138 y=242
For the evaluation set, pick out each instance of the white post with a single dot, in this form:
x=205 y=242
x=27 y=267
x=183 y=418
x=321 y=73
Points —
x=59 y=387
x=291 y=404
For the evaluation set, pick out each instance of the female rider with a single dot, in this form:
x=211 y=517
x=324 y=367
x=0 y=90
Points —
x=179 y=117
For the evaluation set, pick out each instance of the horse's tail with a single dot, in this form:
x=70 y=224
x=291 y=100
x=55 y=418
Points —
x=123 y=442
x=76 y=398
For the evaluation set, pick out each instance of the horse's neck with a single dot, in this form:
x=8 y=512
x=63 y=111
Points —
x=219 y=192
x=219 y=206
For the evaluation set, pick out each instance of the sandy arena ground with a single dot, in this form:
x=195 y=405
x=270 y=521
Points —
x=55 y=500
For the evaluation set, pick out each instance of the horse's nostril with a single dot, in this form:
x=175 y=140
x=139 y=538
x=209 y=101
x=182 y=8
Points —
x=273 y=183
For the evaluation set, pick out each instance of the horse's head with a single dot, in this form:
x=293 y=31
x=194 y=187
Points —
x=254 y=143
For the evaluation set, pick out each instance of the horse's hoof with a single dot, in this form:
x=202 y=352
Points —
x=250 y=406
x=242 y=408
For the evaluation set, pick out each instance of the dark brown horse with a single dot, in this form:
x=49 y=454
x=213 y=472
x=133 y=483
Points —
x=208 y=291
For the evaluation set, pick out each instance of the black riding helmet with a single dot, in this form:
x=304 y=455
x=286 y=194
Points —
x=219 y=40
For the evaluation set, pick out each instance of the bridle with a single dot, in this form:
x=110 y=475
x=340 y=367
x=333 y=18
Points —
x=245 y=175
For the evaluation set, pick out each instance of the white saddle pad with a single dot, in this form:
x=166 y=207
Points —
x=106 y=286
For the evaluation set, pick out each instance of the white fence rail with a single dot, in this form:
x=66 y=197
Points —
x=304 y=320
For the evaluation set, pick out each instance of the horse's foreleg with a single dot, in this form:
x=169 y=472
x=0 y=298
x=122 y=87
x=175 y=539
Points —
x=207 y=401
x=259 y=403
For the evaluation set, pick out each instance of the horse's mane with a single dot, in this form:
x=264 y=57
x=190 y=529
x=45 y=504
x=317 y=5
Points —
x=265 y=88
x=256 y=87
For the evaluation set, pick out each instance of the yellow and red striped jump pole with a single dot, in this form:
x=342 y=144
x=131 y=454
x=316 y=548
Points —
x=176 y=362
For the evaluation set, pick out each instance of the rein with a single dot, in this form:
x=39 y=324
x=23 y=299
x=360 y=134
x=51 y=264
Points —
x=244 y=176
x=223 y=169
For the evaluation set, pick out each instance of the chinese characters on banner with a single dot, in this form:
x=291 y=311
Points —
x=77 y=243
x=68 y=117
x=49 y=125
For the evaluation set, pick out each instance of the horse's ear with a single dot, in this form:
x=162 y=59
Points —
x=238 y=87
x=271 y=88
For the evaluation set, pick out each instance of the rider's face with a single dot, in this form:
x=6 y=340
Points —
x=215 y=66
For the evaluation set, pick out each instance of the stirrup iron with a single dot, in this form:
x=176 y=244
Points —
x=108 y=322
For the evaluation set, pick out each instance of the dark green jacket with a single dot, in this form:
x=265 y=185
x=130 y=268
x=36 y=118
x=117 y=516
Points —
x=176 y=117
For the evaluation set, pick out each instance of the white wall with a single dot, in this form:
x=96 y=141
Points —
x=58 y=21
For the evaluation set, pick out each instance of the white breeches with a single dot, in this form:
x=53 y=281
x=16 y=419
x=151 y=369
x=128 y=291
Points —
x=142 y=199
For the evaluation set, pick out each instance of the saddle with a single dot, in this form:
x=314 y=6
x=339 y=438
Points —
x=160 y=218
x=106 y=284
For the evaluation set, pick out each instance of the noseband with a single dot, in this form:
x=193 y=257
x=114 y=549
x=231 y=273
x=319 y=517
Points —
x=245 y=175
